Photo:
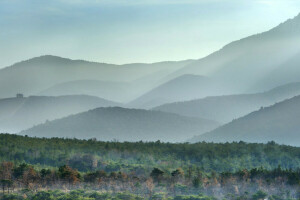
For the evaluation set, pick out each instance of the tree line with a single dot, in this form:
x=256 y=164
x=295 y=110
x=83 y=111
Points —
x=284 y=183
x=87 y=155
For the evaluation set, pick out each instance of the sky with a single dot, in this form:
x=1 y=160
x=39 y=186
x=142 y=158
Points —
x=127 y=31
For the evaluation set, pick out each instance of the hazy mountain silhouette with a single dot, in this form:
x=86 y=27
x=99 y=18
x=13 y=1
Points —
x=255 y=63
x=117 y=91
x=250 y=65
x=124 y=125
x=228 y=107
x=38 y=74
x=185 y=87
x=21 y=113
x=279 y=123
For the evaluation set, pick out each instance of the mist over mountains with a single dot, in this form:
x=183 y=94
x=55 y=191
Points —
x=124 y=125
x=279 y=123
x=229 y=107
x=250 y=64
x=21 y=113
x=66 y=98
x=184 y=87
x=38 y=75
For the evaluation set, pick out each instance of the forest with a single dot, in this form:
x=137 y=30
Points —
x=56 y=168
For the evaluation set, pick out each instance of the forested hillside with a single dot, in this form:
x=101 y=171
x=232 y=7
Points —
x=112 y=156
x=67 y=169
x=279 y=122
x=124 y=124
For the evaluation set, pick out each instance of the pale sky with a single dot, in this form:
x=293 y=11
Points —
x=125 y=31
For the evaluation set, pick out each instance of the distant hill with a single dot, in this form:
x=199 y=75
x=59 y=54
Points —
x=17 y=114
x=228 y=107
x=279 y=123
x=124 y=125
x=115 y=91
x=185 y=87
x=250 y=65
x=256 y=63
x=118 y=91
x=41 y=73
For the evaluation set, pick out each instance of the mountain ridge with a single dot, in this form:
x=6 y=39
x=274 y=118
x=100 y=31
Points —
x=22 y=113
x=228 y=107
x=279 y=123
x=124 y=125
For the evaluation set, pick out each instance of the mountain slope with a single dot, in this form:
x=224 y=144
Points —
x=117 y=91
x=185 y=87
x=252 y=60
x=38 y=74
x=279 y=123
x=17 y=114
x=250 y=65
x=228 y=107
x=124 y=125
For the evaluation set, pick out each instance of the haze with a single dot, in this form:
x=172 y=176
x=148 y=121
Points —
x=131 y=31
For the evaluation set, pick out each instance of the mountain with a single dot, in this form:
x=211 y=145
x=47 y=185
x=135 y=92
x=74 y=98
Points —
x=228 y=107
x=124 y=125
x=279 y=123
x=41 y=73
x=256 y=63
x=117 y=91
x=17 y=114
x=250 y=65
x=185 y=87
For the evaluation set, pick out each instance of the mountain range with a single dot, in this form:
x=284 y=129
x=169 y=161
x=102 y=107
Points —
x=124 y=125
x=76 y=98
x=184 y=87
x=250 y=65
x=256 y=63
x=39 y=75
x=279 y=123
x=229 y=107
x=21 y=113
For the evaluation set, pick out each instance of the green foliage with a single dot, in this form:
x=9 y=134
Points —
x=193 y=197
x=157 y=174
x=197 y=182
x=87 y=155
x=43 y=195
x=141 y=170
x=260 y=195
x=12 y=197
x=86 y=195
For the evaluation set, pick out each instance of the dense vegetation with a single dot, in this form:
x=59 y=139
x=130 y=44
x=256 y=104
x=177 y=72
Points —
x=25 y=181
x=84 y=195
x=86 y=155
x=31 y=168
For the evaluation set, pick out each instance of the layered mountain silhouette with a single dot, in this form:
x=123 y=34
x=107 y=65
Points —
x=279 y=123
x=256 y=63
x=34 y=76
x=226 y=85
x=228 y=107
x=185 y=87
x=17 y=114
x=250 y=65
x=119 y=91
x=124 y=125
